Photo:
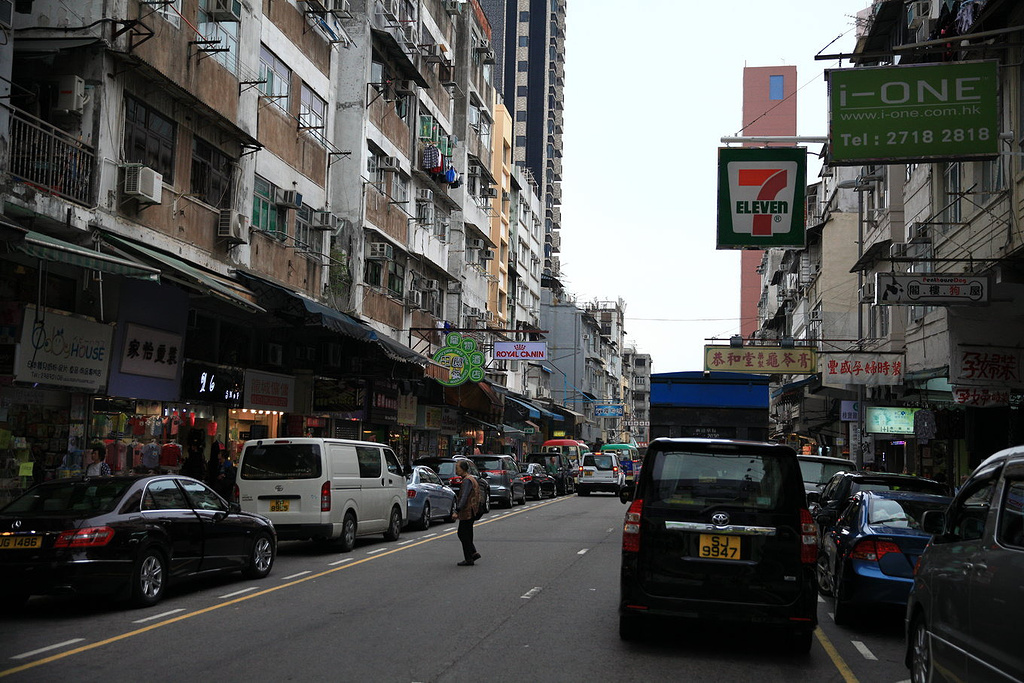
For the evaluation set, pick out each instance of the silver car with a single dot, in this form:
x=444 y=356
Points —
x=601 y=472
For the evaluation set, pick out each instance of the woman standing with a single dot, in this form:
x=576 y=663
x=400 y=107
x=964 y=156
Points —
x=469 y=502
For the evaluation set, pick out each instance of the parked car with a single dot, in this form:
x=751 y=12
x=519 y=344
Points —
x=125 y=536
x=817 y=470
x=836 y=494
x=429 y=498
x=965 y=606
x=538 y=482
x=718 y=531
x=444 y=467
x=324 y=489
x=600 y=472
x=868 y=557
x=503 y=478
x=559 y=466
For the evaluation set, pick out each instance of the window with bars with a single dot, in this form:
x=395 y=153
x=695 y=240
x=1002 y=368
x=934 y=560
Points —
x=276 y=77
x=149 y=138
x=211 y=174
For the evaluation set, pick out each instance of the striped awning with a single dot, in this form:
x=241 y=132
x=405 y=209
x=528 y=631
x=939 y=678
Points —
x=47 y=248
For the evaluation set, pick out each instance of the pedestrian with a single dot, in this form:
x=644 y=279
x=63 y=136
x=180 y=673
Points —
x=226 y=475
x=469 y=502
x=97 y=466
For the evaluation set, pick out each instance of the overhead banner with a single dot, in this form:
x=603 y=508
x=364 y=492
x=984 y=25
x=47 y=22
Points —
x=802 y=360
x=990 y=366
x=761 y=197
x=930 y=289
x=520 y=350
x=868 y=369
x=920 y=112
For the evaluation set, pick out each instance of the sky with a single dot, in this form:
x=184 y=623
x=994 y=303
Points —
x=650 y=90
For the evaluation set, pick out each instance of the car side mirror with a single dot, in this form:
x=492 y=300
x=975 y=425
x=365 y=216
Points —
x=933 y=522
x=813 y=497
x=234 y=507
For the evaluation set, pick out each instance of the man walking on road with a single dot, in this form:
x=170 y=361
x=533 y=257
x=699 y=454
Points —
x=469 y=503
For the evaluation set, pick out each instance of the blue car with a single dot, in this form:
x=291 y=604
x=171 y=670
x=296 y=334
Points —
x=868 y=556
x=429 y=498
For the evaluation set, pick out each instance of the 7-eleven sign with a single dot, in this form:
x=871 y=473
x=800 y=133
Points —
x=761 y=197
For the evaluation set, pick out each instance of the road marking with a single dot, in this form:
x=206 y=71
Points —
x=428 y=535
x=25 y=655
x=211 y=608
x=231 y=595
x=844 y=669
x=582 y=552
x=295 y=576
x=341 y=561
x=158 y=616
x=863 y=649
x=378 y=550
x=530 y=593
x=405 y=542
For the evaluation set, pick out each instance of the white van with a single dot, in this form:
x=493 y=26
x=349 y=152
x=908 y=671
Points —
x=324 y=489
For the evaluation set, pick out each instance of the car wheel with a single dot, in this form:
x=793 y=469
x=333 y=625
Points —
x=510 y=502
x=821 y=573
x=630 y=627
x=348 y=533
x=920 y=652
x=261 y=559
x=800 y=641
x=149 y=579
x=425 y=520
x=522 y=498
x=394 y=526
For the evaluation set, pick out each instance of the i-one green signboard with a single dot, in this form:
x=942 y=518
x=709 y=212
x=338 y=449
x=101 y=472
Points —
x=921 y=112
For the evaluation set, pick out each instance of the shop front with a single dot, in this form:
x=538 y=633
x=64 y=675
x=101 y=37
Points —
x=266 y=398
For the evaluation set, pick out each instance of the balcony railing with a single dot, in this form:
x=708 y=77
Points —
x=49 y=159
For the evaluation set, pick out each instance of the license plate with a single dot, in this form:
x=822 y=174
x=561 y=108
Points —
x=720 y=547
x=588 y=474
x=280 y=506
x=20 y=542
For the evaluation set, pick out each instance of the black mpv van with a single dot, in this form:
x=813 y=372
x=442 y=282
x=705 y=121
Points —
x=718 y=531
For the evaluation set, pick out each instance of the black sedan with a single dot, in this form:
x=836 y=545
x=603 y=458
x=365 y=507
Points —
x=538 y=482
x=125 y=536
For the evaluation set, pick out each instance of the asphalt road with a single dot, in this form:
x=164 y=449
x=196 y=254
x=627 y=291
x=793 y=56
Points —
x=539 y=606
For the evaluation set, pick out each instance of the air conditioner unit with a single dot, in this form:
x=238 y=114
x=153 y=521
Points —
x=867 y=293
x=70 y=94
x=273 y=354
x=488 y=192
x=431 y=52
x=474 y=244
x=489 y=316
x=429 y=285
x=454 y=287
x=339 y=6
x=143 y=183
x=289 y=198
x=389 y=164
x=424 y=196
x=473 y=312
x=414 y=298
x=225 y=10
x=484 y=45
x=381 y=250
x=325 y=220
x=453 y=7
x=487 y=254
x=405 y=87
x=233 y=226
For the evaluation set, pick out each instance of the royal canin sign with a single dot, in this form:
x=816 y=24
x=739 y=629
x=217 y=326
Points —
x=520 y=350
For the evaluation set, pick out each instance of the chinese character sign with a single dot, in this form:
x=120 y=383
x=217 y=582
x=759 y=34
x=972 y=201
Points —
x=986 y=365
x=64 y=351
x=150 y=352
x=608 y=410
x=762 y=359
x=869 y=369
x=459 y=354
x=981 y=397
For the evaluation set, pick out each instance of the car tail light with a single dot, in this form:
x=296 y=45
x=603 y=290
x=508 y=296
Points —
x=615 y=469
x=236 y=497
x=631 y=528
x=89 y=537
x=871 y=550
x=527 y=478
x=454 y=481
x=808 y=538
x=325 y=497
x=493 y=471
x=411 y=493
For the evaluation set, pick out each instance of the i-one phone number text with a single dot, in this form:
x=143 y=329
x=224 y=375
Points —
x=904 y=137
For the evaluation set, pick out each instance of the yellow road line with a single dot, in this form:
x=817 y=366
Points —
x=189 y=615
x=841 y=665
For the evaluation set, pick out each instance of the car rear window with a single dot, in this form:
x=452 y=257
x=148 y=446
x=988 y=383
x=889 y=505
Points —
x=548 y=462
x=695 y=479
x=488 y=463
x=820 y=472
x=907 y=484
x=87 y=498
x=902 y=514
x=601 y=462
x=281 y=461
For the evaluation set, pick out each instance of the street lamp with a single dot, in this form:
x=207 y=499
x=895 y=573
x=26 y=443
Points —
x=860 y=185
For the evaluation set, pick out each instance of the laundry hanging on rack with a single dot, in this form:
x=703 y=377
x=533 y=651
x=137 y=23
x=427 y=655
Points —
x=432 y=159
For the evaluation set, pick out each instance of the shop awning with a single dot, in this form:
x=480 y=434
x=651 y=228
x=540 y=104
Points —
x=534 y=412
x=509 y=429
x=486 y=425
x=792 y=387
x=206 y=281
x=569 y=413
x=48 y=248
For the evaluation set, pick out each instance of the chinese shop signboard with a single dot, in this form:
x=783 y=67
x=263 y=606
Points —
x=761 y=197
x=989 y=366
x=869 y=369
x=150 y=352
x=63 y=351
x=608 y=410
x=269 y=391
x=931 y=289
x=462 y=359
x=920 y=112
x=762 y=359
x=981 y=397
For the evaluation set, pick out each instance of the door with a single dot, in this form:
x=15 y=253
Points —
x=224 y=534
x=394 y=485
x=164 y=504
x=373 y=495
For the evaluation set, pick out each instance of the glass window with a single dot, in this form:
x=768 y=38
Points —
x=967 y=517
x=202 y=497
x=313 y=113
x=524 y=41
x=276 y=78
x=396 y=278
x=211 y=174
x=524 y=16
x=901 y=514
x=951 y=195
x=369 y=462
x=281 y=461
x=164 y=494
x=303 y=229
x=265 y=212
x=394 y=466
x=1011 y=515
x=148 y=138
x=523 y=66
x=373 y=272
x=62 y=497
x=776 y=87
x=226 y=32
x=170 y=12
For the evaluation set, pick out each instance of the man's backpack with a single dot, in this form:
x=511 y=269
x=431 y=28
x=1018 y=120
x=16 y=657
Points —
x=477 y=500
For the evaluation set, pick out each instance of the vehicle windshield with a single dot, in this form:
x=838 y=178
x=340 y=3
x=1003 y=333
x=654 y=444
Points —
x=902 y=514
x=901 y=484
x=688 y=479
x=85 y=498
x=281 y=461
x=820 y=472
x=549 y=462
